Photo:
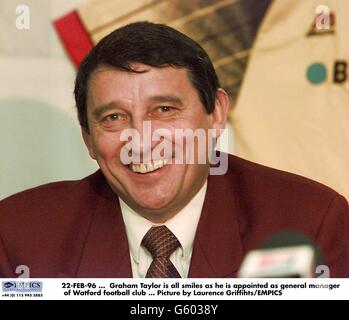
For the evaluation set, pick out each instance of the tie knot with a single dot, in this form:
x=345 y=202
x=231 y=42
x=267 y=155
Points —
x=160 y=242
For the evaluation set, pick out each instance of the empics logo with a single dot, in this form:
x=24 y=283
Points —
x=8 y=285
x=22 y=286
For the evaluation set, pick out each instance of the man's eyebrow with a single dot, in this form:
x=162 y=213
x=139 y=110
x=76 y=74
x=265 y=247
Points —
x=166 y=98
x=98 y=111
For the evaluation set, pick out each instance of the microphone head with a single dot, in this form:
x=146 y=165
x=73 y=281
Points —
x=287 y=254
x=290 y=238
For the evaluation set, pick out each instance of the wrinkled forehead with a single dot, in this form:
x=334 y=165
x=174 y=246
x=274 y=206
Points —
x=108 y=82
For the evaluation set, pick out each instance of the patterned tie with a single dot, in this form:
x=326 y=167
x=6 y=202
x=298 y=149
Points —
x=161 y=242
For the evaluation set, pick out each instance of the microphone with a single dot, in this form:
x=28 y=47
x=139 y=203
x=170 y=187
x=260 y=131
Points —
x=287 y=254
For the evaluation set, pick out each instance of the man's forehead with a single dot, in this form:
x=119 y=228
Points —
x=167 y=77
x=165 y=84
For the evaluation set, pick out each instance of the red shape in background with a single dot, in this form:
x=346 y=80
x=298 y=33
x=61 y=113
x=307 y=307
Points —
x=74 y=36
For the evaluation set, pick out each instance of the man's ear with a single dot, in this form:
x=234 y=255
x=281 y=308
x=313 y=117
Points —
x=220 y=112
x=88 y=142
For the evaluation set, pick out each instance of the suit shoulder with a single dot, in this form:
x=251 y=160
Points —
x=41 y=192
x=44 y=197
x=261 y=177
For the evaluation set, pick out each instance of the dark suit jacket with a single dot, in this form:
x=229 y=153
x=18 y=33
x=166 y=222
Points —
x=75 y=228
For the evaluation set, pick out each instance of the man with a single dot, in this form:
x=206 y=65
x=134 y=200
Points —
x=154 y=216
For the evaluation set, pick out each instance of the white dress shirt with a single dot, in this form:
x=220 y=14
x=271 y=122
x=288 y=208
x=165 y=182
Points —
x=183 y=225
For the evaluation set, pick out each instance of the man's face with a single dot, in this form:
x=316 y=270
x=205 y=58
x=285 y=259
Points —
x=119 y=100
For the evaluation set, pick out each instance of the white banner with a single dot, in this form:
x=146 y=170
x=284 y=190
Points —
x=174 y=289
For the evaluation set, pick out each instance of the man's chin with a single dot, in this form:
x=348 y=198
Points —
x=154 y=208
x=153 y=205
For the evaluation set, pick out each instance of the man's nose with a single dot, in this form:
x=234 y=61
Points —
x=143 y=143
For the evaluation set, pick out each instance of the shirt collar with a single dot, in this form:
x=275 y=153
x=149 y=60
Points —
x=183 y=225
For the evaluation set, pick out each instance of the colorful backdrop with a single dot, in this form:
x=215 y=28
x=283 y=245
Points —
x=286 y=76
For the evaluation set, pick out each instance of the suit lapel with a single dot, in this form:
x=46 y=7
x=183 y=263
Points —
x=106 y=251
x=217 y=248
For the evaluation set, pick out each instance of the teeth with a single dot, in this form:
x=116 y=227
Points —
x=145 y=168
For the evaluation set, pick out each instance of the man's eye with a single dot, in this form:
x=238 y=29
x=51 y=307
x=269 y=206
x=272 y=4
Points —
x=114 y=120
x=165 y=108
x=113 y=117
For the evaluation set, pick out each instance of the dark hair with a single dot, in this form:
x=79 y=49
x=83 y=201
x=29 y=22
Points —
x=156 y=45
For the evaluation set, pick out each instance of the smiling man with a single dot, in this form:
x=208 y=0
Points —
x=147 y=97
x=164 y=96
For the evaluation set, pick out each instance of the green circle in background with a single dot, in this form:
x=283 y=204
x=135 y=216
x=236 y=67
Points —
x=316 y=73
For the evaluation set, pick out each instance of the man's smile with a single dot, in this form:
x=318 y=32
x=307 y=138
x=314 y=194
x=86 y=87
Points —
x=148 y=167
